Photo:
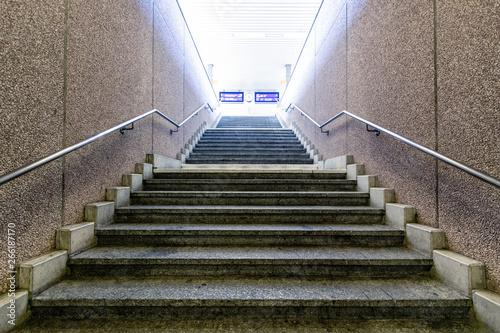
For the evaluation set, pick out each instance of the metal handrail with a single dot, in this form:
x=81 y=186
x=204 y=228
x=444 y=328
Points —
x=121 y=127
x=474 y=172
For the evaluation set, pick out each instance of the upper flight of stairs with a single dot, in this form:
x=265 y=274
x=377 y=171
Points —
x=249 y=140
x=250 y=245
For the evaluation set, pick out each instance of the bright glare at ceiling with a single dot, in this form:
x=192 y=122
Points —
x=249 y=42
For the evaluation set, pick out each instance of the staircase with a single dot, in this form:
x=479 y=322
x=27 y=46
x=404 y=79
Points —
x=249 y=250
x=249 y=140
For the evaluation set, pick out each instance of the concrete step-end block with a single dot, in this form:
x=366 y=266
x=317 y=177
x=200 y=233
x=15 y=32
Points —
x=76 y=238
x=119 y=195
x=145 y=169
x=379 y=196
x=486 y=305
x=424 y=239
x=185 y=152
x=339 y=162
x=312 y=152
x=355 y=170
x=317 y=158
x=100 y=212
x=460 y=272
x=39 y=273
x=133 y=180
x=13 y=308
x=365 y=183
x=399 y=215
x=181 y=158
x=163 y=162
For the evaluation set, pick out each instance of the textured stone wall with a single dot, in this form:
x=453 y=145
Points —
x=69 y=70
x=430 y=72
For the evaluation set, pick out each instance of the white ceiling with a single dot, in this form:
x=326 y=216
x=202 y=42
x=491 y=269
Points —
x=249 y=42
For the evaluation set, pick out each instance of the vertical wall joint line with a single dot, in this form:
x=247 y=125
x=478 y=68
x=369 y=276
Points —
x=153 y=77
x=436 y=107
x=64 y=103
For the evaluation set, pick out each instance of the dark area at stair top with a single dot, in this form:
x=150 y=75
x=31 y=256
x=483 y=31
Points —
x=249 y=140
x=248 y=122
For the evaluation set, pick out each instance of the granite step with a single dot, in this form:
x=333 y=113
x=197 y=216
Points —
x=248 y=174
x=249 y=185
x=243 y=136
x=250 y=297
x=249 y=154
x=248 y=160
x=251 y=325
x=273 y=150
x=237 y=145
x=267 y=198
x=274 y=140
x=249 y=214
x=251 y=126
x=249 y=235
x=249 y=261
x=245 y=132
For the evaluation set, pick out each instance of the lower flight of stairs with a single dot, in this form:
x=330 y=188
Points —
x=254 y=245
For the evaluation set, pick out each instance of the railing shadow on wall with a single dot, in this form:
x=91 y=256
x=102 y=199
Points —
x=379 y=129
x=121 y=127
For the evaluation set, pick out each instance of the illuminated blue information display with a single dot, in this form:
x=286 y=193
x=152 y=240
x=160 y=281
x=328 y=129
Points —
x=231 y=97
x=267 y=97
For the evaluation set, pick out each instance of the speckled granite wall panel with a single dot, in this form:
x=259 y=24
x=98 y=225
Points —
x=192 y=101
x=109 y=81
x=31 y=111
x=469 y=124
x=171 y=15
x=327 y=20
x=391 y=82
x=331 y=94
x=168 y=86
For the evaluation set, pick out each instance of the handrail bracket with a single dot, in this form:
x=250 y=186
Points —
x=327 y=131
x=123 y=129
x=376 y=131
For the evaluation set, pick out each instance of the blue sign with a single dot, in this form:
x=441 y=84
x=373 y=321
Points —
x=267 y=97
x=231 y=97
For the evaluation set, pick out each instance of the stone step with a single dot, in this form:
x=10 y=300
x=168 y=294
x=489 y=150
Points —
x=249 y=214
x=267 y=198
x=249 y=185
x=253 y=154
x=248 y=160
x=249 y=235
x=252 y=174
x=250 y=297
x=264 y=324
x=248 y=153
x=249 y=130
x=248 y=140
x=254 y=167
x=252 y=126
x=249 y=261
x=273 y=150
x=243 y=145
x=244 y=132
